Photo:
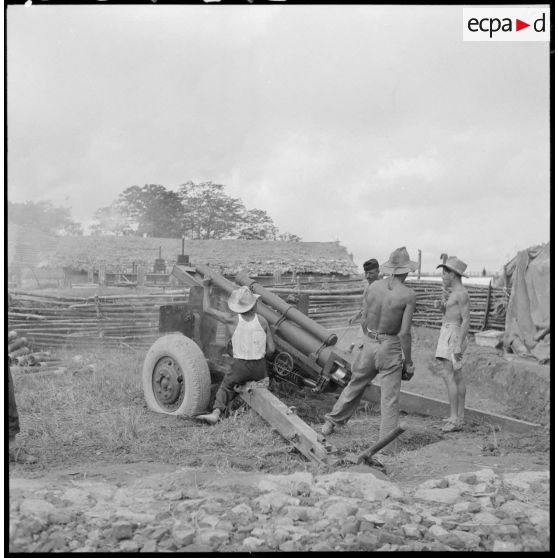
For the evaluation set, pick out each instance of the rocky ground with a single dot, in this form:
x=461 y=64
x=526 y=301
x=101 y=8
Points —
x=188 y=510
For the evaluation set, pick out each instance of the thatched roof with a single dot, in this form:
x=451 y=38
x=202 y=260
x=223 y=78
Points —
x=256 y=257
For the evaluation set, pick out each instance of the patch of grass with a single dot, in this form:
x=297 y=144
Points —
x=101 y=414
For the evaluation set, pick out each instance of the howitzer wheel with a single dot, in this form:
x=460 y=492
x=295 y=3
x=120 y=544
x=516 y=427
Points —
x=175 y=376
x=283 y=364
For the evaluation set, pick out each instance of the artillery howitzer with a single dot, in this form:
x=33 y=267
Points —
x=179 y=366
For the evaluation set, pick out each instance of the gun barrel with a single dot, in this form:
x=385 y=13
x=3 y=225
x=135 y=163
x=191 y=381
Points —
x=300 y=338
x=288 y=310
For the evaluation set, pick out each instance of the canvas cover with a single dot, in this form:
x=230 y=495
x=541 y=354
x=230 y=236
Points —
x=528 y=313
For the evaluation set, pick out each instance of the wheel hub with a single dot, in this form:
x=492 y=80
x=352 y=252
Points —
x=168 y=383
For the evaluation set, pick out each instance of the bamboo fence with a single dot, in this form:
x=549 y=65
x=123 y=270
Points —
x=49 y=321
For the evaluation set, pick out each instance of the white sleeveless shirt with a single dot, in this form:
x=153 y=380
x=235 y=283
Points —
x=249 y=339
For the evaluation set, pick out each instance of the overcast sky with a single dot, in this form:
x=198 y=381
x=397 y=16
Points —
x=373 y=125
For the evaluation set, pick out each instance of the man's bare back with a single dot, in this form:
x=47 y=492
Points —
x=385 y=302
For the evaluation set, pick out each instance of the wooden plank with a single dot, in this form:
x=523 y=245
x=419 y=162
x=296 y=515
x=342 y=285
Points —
x=427 y=406
x=286 y=422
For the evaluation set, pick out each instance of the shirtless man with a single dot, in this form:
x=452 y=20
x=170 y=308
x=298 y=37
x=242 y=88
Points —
x=251 y=340
x=453 y=338
x=385 y=349
x=371 y=273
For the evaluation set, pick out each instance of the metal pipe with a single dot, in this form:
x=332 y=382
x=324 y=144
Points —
x=292 y=333
x=288 y=310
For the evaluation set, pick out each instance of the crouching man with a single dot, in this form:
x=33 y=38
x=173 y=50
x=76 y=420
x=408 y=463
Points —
x=251 y=341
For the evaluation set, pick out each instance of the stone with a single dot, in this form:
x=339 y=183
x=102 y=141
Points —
x=161 y=531
x=243 y=510
x=340 y=510
x=433 y=483
x=506 y=546
x=60 y=517
x=77 y=496
x=129 y=546
x=295 y=483
x=302 y=513
x=469 y=478
x=505 y=530
x=279 y=536
x=412 y=531
x=485 y=518
x=474 y=507
x=320 y=547
x=40 y=509
x=350 y=526
x=468 y=540
x=275 y=501
x=385 y=537
x=122 y=530
x=182 y=536
x=373 y=518
x=212 y=537
x=252 y=543
x=185 y=506
x=319 y=525
x=437 y=532
x=460 y=507
x=359 y=485
x=440 y=495
x=367 y=541
x=149 y=546
x=288 y=546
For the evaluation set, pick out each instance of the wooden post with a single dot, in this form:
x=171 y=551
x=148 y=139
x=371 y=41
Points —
x=90 y=275
x=102 y=273
x=487 y=309
x=141 y=275
x=419 y=262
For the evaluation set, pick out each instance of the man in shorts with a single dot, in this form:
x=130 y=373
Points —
x=453 y=338
x=385 y=348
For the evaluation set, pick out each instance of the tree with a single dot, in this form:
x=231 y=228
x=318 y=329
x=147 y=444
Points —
x=208 y=212
x=289 y=237
x=43 y=216
x=151 y=211
x=257 y=225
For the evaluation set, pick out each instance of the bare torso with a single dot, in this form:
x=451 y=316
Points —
x=456 y=299
x=384 y=307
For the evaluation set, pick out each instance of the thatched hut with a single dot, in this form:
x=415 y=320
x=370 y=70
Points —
x=84 y=258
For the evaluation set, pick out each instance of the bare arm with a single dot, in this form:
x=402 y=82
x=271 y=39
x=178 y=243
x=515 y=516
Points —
x=465 y=317
x=223 y=317
x=269 y=342
x=405 y=331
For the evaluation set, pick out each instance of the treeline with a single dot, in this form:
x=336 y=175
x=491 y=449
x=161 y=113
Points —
x=195 y=211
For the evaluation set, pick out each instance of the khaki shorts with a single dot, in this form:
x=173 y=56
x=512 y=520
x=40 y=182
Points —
x=448 y=344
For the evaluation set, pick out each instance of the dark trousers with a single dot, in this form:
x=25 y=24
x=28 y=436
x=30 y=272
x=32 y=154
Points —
x=241 y=371
x=13 y=417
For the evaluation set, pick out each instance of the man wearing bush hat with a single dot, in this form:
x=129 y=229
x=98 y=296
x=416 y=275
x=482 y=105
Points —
x=384 y=350
x=453 y=338
x=251 y=341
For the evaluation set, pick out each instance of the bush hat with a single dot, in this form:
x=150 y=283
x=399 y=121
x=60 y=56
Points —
x=242 y=299
x=370 y=264
x=399 y=263
x=454 y=264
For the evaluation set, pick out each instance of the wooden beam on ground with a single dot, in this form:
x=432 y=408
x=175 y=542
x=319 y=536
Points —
x=284 y=419
x=427 y=406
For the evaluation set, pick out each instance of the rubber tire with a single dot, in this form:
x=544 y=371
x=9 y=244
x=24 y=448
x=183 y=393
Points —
x=195 y=371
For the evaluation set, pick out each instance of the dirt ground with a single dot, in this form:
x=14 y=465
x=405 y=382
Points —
x=424 y=450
